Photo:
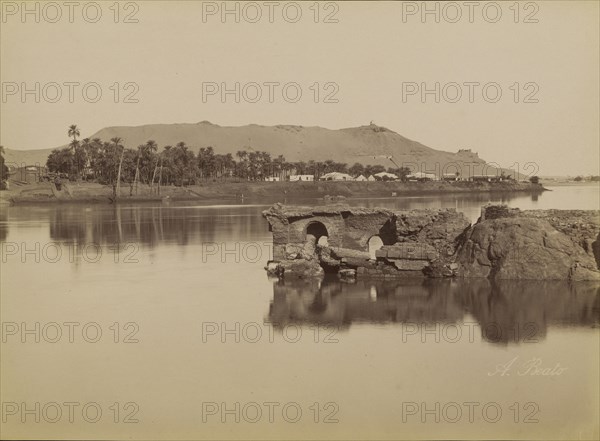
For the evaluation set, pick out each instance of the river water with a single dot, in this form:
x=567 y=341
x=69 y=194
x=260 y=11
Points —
x=158 y=321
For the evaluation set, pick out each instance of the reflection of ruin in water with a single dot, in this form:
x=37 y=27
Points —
x=149 y=225
x=505 y=312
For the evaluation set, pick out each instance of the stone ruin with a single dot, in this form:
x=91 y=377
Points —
x=362 y=242
x=505 y=243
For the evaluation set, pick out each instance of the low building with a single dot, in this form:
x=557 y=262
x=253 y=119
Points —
x=29 y=174
x=295 y=178
x=486 y=178
x=336 y=176
x=272 y=179
x=421 y=176
x=450 y=177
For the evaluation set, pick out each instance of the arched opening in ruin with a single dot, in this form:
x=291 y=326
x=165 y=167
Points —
x=374 y=244
x=316 y=233
x=316 y=229
x=387 y=232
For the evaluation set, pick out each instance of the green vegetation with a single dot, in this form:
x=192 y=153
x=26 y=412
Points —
x=111 y=163
x=3 y=170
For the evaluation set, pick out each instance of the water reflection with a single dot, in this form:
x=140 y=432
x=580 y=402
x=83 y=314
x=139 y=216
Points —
x=3 y=225
x=185 y=223
x=504 y=312
x=468 y=203
x=146 y=225
x=584 y=197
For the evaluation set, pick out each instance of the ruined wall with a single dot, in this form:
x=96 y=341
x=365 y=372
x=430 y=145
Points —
x=333 y=223
x=346 y=227
x=361 y=227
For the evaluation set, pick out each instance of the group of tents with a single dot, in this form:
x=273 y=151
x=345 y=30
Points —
x=337 y=176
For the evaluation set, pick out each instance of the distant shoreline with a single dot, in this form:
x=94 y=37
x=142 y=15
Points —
x=83 y=192
x=571 y=184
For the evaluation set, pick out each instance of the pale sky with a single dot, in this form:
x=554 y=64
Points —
x=372 y=53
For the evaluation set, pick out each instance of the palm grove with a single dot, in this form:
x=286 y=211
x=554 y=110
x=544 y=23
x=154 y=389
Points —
x=110 y=162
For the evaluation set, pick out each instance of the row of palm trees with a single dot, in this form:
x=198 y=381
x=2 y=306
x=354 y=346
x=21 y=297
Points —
x=3 y=170
x=110 y=162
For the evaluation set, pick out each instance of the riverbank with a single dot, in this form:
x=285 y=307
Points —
x=86 y=192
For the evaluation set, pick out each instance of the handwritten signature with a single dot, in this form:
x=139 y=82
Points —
x=532 y=367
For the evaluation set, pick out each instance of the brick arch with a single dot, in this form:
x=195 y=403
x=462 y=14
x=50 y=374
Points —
x=317 y=229
x=330 y=226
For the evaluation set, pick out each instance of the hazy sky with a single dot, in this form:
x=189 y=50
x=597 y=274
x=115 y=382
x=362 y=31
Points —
x=370 y=56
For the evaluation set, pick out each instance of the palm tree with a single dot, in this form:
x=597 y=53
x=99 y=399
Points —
x=152 y=146
x=117 y=188
x=86 y=145
x=242 y=156
x=328 y=165
x=278 y=166
x=73 y=131
x=137 y=168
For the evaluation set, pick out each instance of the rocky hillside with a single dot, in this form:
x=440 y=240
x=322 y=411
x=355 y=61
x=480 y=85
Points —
x=369 y=144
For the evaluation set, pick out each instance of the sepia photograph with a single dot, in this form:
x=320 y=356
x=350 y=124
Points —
x=300 y=220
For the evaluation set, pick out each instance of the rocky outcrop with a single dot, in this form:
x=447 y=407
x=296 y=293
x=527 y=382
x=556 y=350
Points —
x=581 y=226
x=505 y=243
x=530 y=245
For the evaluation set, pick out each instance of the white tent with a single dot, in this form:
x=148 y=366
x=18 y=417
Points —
x=371 y=178
x=361 y=178
x=389 y=176
x=336 y=176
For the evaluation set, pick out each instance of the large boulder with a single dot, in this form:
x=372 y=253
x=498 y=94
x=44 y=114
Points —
x=294 y=269
x=582 y=226
x=522 y=247
x=438 y=228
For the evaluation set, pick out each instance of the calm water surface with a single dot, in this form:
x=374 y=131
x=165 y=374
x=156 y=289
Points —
x=188 y=316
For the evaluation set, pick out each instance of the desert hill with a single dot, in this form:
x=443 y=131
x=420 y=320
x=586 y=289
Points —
x=368 y=144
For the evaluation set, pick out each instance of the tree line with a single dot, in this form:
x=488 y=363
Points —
x=3 y=170
x=110 y=162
